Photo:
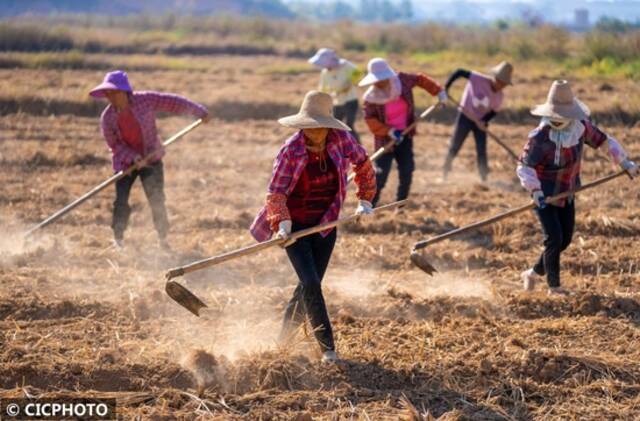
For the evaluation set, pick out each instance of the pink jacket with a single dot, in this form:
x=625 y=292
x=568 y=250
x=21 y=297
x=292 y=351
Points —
x=144 y=106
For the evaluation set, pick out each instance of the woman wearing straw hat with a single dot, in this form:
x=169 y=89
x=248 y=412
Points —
x=308 y=187
x=339 y=78
x=481 y=100
x=389 y=109
x=550 y=165
x=129 y=127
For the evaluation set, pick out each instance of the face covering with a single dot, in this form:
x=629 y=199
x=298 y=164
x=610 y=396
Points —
x=382 y=96
x=565 y=133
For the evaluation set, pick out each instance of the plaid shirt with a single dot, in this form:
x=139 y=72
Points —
x=561 y=173
x=374 y=114
x=144 y=106
x=291 y=161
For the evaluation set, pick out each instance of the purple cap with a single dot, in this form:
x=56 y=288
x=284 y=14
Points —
x=116 y=80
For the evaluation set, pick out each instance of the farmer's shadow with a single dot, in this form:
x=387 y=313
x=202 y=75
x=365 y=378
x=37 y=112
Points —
x=372 y=382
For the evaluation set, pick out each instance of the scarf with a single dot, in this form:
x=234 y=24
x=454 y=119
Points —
x=566 y=138
x=382 y=96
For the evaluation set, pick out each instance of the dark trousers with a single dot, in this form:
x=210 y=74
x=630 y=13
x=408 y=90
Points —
x=557 y=224
x=403 y=155
x=463 y=126
x=347 y=113
x=310 y=257
x=152 y=178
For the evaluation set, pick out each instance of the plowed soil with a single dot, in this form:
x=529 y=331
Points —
x=78 y=317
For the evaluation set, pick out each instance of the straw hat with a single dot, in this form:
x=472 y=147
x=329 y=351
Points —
x=316 y=112
x=377 y=70
x=502 y=72
x=561 y=103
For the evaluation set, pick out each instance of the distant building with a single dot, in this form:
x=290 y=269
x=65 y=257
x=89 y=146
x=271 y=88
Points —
x=581 y=19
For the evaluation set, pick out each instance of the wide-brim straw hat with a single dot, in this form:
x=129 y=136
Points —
x=316 y=112
x=562 y=104
x=502 y=72
x=377 y=70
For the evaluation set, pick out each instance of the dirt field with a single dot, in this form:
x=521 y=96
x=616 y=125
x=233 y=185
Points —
x=78 y=318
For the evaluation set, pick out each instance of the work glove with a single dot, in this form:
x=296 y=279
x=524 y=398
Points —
x=284 y=232
x=364 y=208
x=396 y=136
x=538 y=199
x=630 y=167
x=442 y=98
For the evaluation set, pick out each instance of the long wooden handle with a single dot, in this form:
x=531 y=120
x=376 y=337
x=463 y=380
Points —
x=486 y=130
x=255 y=248
x=382 y=150
x=422 y=244
x=117 y=176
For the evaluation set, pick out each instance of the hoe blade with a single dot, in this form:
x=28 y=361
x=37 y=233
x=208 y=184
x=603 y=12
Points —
x=184 y=297
x=422 y=263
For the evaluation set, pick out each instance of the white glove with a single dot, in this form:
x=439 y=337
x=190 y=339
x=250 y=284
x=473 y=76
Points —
x=284 y=233
x=538 y=199
x=442 y=97
x=630 y=167
x=284 y=229
x=364 y=208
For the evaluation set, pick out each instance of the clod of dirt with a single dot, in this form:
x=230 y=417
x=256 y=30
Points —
x=140 y=309
x=589 y=305
x=203 y=367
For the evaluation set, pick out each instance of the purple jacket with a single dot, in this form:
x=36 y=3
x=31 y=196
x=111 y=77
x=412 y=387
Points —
x=144 y=106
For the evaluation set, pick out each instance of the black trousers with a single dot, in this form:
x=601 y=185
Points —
x=347 y=113
x=463 y=126
x=403 y=155
x=558 y=225
x=310 y=257
x=152 y=178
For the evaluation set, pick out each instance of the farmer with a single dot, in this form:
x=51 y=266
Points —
x=129 y=127
x=389 y=109
x=481 y=101
x=550 y=165
x=308 y=187
x=338 y=78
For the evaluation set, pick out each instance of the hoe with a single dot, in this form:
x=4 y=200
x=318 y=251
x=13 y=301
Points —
x=421 y=261
x=188 y=300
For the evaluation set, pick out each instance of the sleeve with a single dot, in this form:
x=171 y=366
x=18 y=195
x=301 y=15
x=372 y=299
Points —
x=428 y=84
x=593 y=136
x=176 y=104
x=528 y=178
x=616 y=151
x=122 y=153
x=356 y=75
x=276 y=203
x=489 y=116
x=377 y=127
x=365 y=176
x=530 y=158
x=455 y=76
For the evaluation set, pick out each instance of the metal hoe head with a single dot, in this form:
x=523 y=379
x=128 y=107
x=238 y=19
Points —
x=184 y=297
x=422 y=263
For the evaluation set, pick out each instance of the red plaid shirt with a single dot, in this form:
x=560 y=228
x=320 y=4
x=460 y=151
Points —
x=374 y=114
x=291 y=161
x=144 y=106
x=562 y=174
